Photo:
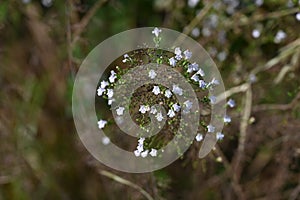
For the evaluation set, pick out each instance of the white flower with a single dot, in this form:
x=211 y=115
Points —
x=280 y=35
x=101 y=123
x=227 y=119
x=141 y=141
x=140 y=147
x=152 y=74
x=177 y=90
x=171 y=113
x=105 y=140
x=259 y=2
x=104 y=84
x=110 y=101
x=255 y=33
x=195 y=78
x=172 y=61
x=298 y=16
x=188 y=104
x=153 y=152
x=252 y=78
x=144 y=154
x=112 y=76
x=196 y=32
x=120 y=111
x=168 y=93
x=210 y=128
x=176 y=107
x=159 y=117
x=187 y=54
x=156 y=90
x=153 y=110
x=143 y=109
x=126 y=58
x=100 y=91
x=192 y=67
x=199 y=137
x=47 y=3
x=156 y=31
x=137 y=153
x=222 y=56
x=192 y=3
x=200 y=72
x=110 y=93
x=213 y=99
x=219 y=136
x=178 y=55
x=231 y=103
x=214 y=81
x=202 y=84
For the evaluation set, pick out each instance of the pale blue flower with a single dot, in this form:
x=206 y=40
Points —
x=143 y=109
x=177 y=90
x=110 y=93
x=112 y=76
x=280 y=36
x=156 y=90
x=199 y=137
x=120 y=110
x=137 y=153
x=178 y=52
x=100 y=91
x=105 y=140
x=219 y=136
x=195 y=78
x=231 y=103
x=176 y=107
x=171 y=113
x=168 y=93
x=187 y=54
x=126 y=58
x=153 y=110
x=153 y=152
x=110 y=101
x=188 y=104
x=156 y=31
x=159 y=117
x=227 y=119
x=255 y=33
x=172 y=61
x=210 y=128
x=213 y=99
x=101 y=123
x=141 y=140
x=192 y=67
x=152 y=74
x=202 y=84
x=200 y=72
x=104 y=84
x=144 y=154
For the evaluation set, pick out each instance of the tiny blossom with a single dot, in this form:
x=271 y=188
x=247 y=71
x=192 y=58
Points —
x=214 y=81
x=192 y=3
x=219 y=136
x=192 y=67
x=227 y=119
x=206 y=32
x=126 y=58
x=156 y=31
x=231 y=103
x=177 y=90
x=259 y=2
x=168 y=93
x=200 y=72
x=213 y=99
x=156 y=90
x=222 y=56
x=255 y=33
x=26 y=1
x=153 y=110
x=172 y=61
x=171 y=113
x=137 y=153
x=144 y=154
x=120 y=111
x=153 y=152
x=202 y=84
x=176 y=107
x=252 y=78
x=195 y=78
x=141 y=140
x=199 y=137
x=101 y=123
x=298 y=16
x=159 y=117
x=195 y=32
x=105 y=140
x=112 y=76
x=280 y=35
x=187 y=54
x=178 y=53
x=47 y=3
x=140 y=147
x=152 y=74
x=110 y=93
x=100 y=91
x=104 y=84
x=188 y=104
x=143 y=109
x=210 y=128
x=110 y=101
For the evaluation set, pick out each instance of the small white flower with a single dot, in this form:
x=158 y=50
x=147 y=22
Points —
x=196 y=32
x=219 y=136
x=152 y=74
x=153 y=110
x=280 y=35
x=100 y=91
x=202 y=84
x=192 y=67
x=104 y=84
x=200 y=72
x=192 y=3
x=153 y=152
x=171 y=113
x=178 y=55
x=213 y=99
x=298 y=16
x=140 y=147
x=105 y=140
x=172 y=61
x=143 y=109
x=101 y=123
x=110 y=93
x=231 y=103
x=227 y=119
x=195 y=78
x=112 y=76
x=214 y=81
x=156 y=90
x=159 y=117
x=188 y=104
x=255 y=33
x=120 y=111
x=222 y=56
x=137 y=153
x=210 y=128
x=110 y=101
x=176 y=107
x=126 y=58
x=141 y=141
x=259 y=2
x=168 y=93
x=156 y=31
x=187 y=54
x=144 y=154
x=199 y=137
x=177 y=90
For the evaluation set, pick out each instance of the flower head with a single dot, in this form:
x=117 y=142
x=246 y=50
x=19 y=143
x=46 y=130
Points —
x=143 y=109
x=112 y=76
x=202 y=84
x=176 y=107
x=120 y=110
x=104 y=84
x=105 y=140
x=156 y=31
x=101 y=123
x=199 y=137
x=178 y=55
x=187 y=54
x=210 y=128
x=156 y=90
x=100 y=91
x=219 y=136
x=231 y=103
x=159 y=117
x=200 y=72
x=177 y=90
x=171 y=113
x=168 y=93
x=153 y=152
x=213 y=99
x=110 y=93
x=152 y=74
x=192 y=67
x=172 y=61
x=153 y=110
x=227 y=119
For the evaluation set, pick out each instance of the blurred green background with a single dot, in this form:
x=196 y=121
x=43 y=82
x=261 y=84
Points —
x=255 y=44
